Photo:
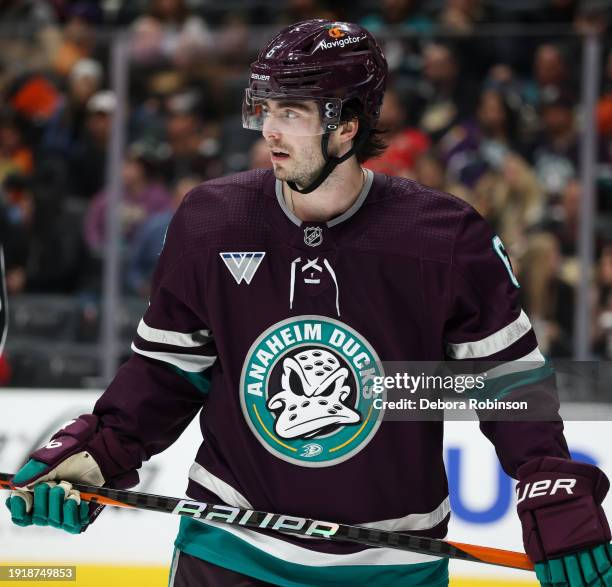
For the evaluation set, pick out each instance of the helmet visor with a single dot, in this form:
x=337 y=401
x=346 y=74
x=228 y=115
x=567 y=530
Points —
x=290 y=115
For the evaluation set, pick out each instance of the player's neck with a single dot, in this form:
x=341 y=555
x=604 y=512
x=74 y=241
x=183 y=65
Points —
x=333 y=197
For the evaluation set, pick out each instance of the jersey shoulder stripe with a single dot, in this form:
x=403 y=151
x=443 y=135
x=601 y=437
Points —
x=182 y=339
x=493 y=343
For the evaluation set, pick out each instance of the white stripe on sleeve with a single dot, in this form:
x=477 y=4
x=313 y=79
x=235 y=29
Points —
x=184 y=339
x=191 y=363
x=498 y=341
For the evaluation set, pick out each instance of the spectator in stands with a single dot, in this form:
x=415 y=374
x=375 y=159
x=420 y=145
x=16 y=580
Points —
x=42 y=243
x=34 y=98
x=143 y=195
x=510 y=197
x=148 y=116
x=461 y=16
x=30 y=38
x=555 y=152
x=563 y=218
x=460 y=19
x=482 y=143
x=232 y=42
x=65 y=128
x=15 y=155
x=193 y=144
x=442 y=99
x=547 y=299
x=170 y=33
x=430 y=170
x=592 y=17
x=497 y=125
x=405 y=144
x=551 y=69
x=149 y=238
x=401 y=16
x=77 y=40
x=88 y=169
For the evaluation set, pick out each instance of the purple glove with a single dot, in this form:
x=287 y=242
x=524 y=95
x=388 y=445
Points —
x=86 y=433
x=559 y=505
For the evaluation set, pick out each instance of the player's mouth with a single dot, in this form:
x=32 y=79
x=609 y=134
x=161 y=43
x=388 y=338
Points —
x=278 y=155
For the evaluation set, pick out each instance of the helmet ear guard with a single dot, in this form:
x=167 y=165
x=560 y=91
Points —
x=331 y=112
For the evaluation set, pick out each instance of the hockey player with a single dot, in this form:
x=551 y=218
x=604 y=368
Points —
x=276 y=297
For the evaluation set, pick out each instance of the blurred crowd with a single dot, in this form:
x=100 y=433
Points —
x=483 y=102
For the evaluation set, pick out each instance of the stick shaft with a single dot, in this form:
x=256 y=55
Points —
x=295 y=525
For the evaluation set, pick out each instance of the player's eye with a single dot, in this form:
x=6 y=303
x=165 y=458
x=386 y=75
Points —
x=291 y=114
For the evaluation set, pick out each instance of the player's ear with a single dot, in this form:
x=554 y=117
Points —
x=348 y=129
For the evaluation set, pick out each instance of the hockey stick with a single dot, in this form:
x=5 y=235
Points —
x=300 y=526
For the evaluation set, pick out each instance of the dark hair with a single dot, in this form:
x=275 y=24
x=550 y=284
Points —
x=375 y=144
x=510 y=111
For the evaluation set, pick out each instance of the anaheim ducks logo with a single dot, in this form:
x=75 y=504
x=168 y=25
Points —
x=312 y=449
x=336 y=32
x=306 y=391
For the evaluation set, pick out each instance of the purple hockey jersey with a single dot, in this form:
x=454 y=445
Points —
x=277 y=327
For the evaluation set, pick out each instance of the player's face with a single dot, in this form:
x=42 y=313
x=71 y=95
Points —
x=295 y=157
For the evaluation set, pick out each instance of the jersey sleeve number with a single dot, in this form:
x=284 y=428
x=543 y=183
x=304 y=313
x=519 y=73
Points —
x=499 y=248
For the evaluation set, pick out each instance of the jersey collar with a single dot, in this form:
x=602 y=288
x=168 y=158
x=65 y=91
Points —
x=338 y=219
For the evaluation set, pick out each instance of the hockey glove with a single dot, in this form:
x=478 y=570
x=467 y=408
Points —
x=565 y=531
x=587 y=568
x=44 y=494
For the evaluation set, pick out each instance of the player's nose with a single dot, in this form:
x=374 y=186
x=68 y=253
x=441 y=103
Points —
x=270 y=130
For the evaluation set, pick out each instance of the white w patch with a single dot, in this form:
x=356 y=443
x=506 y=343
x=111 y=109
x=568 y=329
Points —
x=242 y=265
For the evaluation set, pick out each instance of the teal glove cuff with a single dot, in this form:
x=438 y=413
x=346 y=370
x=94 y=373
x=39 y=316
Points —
x=587 y=568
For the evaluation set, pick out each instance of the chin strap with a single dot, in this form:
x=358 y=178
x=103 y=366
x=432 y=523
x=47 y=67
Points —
x=330 y=162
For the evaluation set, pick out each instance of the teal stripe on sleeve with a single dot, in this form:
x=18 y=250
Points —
x=201 y=380
x=500 y=387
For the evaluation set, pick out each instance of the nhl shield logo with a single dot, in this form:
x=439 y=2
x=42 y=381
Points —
x=306 y=391
x=313 y=236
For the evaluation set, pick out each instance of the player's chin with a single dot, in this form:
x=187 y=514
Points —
x=281 y=172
